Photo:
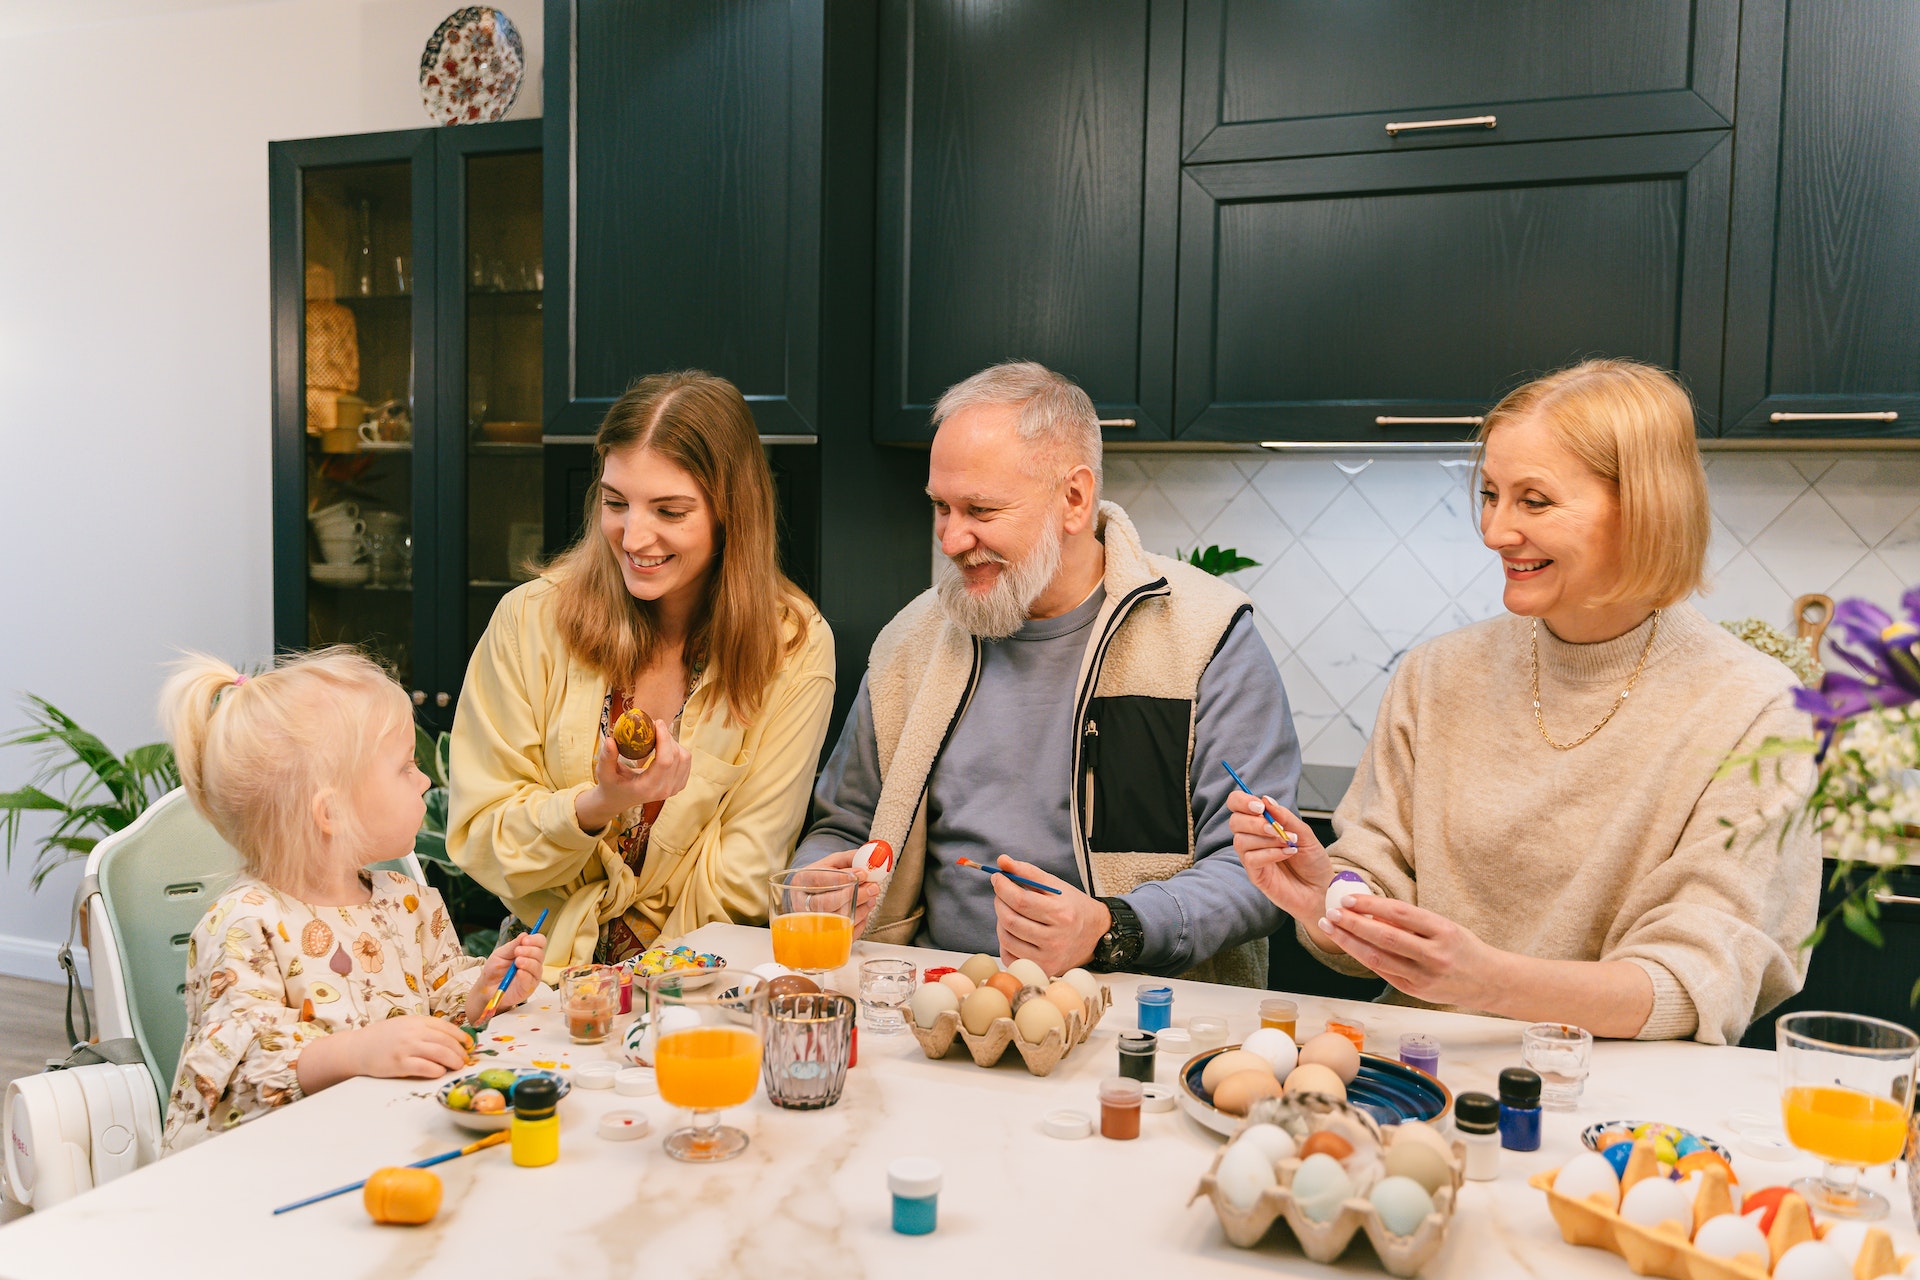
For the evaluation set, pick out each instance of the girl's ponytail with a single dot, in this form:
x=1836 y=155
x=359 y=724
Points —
x=188 y=701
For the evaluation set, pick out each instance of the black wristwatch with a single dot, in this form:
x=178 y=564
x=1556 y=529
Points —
x=1120 y=945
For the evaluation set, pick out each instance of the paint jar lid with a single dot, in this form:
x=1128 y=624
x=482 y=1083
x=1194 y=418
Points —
x=635 y=1082
x=914 y=1177
x=624 y=1126
x=596 y=1075
x=1476 y=1113
x=1174 y=1040
x=535 y=1097
x=1519 y=1087
x=1156 y=1097
x=1138 y=1043
x=1207 y=1031
x=1067 y=1125
x=1153 y=993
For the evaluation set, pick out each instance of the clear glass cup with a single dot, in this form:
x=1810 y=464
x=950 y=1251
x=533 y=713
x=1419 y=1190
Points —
x=589 y=997
x=809 y=1043
x=811 y=918
x=711 y=1063
x=1560 y=1054
x=885 y=988
x=1846 y=1092
x=1281 y=1015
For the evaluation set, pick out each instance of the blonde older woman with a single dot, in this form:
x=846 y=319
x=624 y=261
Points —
x=1540 y=820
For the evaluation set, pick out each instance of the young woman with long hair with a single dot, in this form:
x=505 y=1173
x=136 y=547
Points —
x=672 y=604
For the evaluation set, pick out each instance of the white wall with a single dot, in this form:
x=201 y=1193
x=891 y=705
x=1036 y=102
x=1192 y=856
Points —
x=134 y=365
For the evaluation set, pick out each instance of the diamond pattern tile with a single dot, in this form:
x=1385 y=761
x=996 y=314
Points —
x=1296 y=595
x=1199 y=486
x=1398 y=599
x=1403 y=490
x=1345 y=653
x=1348 y=539
x=1749 y=490
x=1873 y=495
x=1299 y=489
x=1248 y=525
x=1809 y=547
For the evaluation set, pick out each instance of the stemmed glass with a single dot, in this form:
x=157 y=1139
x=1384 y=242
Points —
x=811 y=918
x=710 y=1062
x=1846 y=1089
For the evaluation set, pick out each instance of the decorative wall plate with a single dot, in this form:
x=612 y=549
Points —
x=471 y=70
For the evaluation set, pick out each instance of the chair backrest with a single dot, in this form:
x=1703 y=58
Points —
x=157 y=878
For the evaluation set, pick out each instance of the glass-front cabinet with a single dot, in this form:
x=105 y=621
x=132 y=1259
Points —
x=407 y=357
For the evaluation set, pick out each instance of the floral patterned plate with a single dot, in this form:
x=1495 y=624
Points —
x=471 y=69
x=491 y=1121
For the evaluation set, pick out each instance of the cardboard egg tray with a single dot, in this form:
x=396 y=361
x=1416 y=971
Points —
x=1041 y=1056
x=1326 y=1241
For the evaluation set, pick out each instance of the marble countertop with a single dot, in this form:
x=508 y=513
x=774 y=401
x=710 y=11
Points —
x=809 y=1197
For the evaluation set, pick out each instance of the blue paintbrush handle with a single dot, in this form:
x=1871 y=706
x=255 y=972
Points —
x=1239 y=782
x=442 y=1158
x=996 y=871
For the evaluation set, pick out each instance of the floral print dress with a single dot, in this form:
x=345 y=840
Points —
x=268 y=975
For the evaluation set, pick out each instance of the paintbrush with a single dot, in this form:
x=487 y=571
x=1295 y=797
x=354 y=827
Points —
x=1278 y=830
x=995 y=871
x=491 y=1140
x=506 y=980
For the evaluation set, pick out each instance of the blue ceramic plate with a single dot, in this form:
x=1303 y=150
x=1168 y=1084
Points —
x=1387 y=1090
x=1590 y=1135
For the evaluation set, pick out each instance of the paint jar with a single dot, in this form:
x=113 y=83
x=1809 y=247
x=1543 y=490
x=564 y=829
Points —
x=1476 y=1118
x=1281 y=1015
x=1156 y=1006
x=535 y=1137
x=626 y=989
x=1520 y=1109
x=1421 y=1052
x=934 y=975
x=589 y=994
x=1120 y=1108
x=915 y=1184
x=1207 y=1032
x=1136 y=1055
x=1352 y=1028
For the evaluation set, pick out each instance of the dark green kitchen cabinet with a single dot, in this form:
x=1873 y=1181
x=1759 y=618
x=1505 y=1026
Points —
x=1823 y=303
x=1028 y=176
x=1267 y=79
x=1393 y=296
x=1851 y=975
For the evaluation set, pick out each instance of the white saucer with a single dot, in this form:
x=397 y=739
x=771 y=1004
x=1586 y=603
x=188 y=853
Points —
x=339 y=575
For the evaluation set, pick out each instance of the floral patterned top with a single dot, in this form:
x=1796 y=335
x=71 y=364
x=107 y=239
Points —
x=268 y=974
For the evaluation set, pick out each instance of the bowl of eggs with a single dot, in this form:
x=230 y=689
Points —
x=1698 y=1228
x=1219 y=1086
x=1330 y=1172
x=483 y=1101
x=987 y=1008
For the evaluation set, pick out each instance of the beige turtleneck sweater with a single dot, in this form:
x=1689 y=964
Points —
x=1617 y=849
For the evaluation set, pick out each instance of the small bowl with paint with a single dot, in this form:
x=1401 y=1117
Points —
x=483 y=1100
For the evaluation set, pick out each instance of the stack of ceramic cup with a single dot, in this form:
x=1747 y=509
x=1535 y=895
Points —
x=339 y=530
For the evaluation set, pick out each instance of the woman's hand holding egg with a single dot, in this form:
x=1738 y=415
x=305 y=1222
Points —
x=619 y=786
x=1420 y=952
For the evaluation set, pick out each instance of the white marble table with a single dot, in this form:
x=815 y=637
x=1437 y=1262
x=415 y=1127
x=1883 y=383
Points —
x=809 y=1197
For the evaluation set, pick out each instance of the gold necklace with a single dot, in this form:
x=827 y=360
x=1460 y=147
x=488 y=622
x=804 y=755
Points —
x=1619 y=702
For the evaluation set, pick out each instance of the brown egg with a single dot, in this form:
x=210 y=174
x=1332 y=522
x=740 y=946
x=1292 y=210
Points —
x=979 y=968
x=960 y=984
x=1242 y=1089
x=1066 y=997
x=1005 y=983
x=1326 y=1143
x=1333 y=1051
x=1314 y=1078
x=1230 y=1063
x=979 y=1010
x=791 y=984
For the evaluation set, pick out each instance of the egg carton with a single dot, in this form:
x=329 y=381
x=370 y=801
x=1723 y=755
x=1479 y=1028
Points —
x=1325 y=1241
x=1041 y=1056
x=1663 y=1250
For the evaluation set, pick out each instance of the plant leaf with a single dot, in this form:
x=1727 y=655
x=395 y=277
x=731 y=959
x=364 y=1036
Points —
x=1857 y=918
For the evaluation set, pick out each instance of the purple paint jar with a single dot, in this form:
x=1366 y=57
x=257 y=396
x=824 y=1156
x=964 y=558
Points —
x=1422 y=1052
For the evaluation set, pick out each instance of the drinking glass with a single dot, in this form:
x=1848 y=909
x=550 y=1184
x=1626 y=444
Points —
x=1846 y=1090
x=885 y=987
x=809 y=1041
x=1560 y=1054
x=811 y=918
x=708 y=1064
x=589 y=994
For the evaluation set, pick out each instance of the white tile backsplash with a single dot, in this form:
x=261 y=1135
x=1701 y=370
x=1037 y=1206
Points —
x=1361 y=559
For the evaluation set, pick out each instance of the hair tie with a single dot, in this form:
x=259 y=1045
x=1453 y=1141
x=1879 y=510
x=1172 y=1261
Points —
x=239 y=680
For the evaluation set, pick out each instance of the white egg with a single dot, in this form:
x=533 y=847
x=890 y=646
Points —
x=1243 y=1174
x=1272 y=1141
x=1729 y=1234
x=1403 y=1204
x=1812 y=1260
x=1652 y=1201
x=1320 y=1184
x=1847 y=1237
x=1029 y=973
x=1344 y=883
x=930 y=1000
x=1085 y=983
x=1277 y=1047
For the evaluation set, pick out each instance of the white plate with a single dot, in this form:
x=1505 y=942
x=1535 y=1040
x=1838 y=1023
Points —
x=340 y=575
x=491 y=1121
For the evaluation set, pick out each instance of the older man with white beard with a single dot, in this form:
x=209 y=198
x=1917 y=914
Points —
x=1059 y=706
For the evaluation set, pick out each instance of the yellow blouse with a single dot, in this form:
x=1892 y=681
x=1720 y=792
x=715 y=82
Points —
x=524 y=739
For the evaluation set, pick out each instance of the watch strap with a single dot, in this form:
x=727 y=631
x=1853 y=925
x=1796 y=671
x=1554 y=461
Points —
x=1124 y=939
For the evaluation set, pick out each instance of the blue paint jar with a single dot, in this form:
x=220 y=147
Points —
x=1519 y=1109
x=915 y=1184
x=1156 y=1006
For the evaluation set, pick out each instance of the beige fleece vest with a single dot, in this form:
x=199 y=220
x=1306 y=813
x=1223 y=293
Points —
x=920 y=676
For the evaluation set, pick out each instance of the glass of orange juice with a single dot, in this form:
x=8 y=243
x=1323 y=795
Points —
x=1846 y=1088
x=709 y=1061
x=812 y=918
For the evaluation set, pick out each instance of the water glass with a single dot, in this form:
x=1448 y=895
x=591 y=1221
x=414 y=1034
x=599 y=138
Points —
x=1560 y=1054
x=885 y=988
x=589 y=994
x=809 y=1040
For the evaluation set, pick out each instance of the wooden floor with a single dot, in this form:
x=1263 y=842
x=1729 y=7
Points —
x=32 y=1030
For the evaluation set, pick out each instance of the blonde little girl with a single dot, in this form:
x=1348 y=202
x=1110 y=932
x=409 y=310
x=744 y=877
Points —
x=313 y=968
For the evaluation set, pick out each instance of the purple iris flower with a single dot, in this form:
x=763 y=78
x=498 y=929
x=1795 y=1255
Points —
x=1882 y=649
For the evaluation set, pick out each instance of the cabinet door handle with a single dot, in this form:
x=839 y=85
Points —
x=1118 y=422
x=1888 y=898
x=1397 y=127
x=1881 y=415
x=442 y=699
x=1423 y=422
x=419 y=697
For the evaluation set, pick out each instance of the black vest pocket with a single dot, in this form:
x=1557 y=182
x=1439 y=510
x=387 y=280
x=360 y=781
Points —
x=1134 y=749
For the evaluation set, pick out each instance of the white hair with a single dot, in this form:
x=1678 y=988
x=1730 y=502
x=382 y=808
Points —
x=1055 y=414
